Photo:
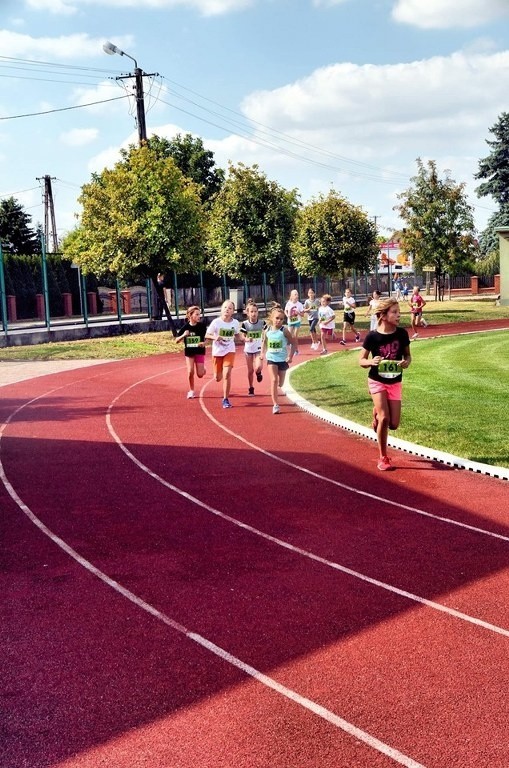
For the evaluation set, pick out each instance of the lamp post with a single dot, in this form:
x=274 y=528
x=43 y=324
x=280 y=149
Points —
x=111 y=49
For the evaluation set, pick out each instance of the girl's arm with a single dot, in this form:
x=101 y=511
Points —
x=366 y=362
x=182 y=336
x=264 y=344
x=292 y=342
x=407 y=358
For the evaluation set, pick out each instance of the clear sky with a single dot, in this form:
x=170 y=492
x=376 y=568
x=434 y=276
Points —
x=319 y=93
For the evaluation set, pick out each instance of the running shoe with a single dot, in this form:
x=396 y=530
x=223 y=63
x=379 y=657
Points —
x=226 y=403
x=250 y=391
x=384 y=464
x=415 y=336
x=343 y=343
x=275 y=410
x=324 y=352
x=259 y=376
x=357 y=337
x=190 y=394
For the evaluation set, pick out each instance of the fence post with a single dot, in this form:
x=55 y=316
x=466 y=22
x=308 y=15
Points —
x=83 y=292
x=2 y=292
x=202 y=302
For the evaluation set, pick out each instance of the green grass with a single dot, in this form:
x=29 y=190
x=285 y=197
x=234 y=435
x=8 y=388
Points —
x=454 y=394
x=105 y=348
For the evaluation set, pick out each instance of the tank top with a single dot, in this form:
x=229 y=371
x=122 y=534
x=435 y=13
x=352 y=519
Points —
x=276 y=346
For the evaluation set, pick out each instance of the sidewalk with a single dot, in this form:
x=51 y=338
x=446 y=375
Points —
x=12 y=372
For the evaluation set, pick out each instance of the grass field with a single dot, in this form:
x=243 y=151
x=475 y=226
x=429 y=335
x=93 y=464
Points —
x=454 y=394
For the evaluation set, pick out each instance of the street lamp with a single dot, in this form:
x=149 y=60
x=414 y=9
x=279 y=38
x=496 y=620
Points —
x=111 y=49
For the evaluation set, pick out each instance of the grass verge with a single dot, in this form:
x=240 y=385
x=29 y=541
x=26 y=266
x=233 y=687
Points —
x=454 y=394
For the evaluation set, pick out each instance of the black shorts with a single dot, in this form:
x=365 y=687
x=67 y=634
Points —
x=281 y=366
x=312 y=324
x=349 y=317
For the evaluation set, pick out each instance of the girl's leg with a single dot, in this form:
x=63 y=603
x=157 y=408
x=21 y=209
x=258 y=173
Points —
x=394 y=413
x=190 y=372
x=381 y=419
x=227 y=381
x=323 y=339
x=274 y=380
x=281 y=378
x=250 y=371
x=200 y=369
x=258 y=365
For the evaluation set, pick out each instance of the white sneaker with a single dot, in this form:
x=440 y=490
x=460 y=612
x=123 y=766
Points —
x=190 y=394
x=275 y=409
x=415 y=336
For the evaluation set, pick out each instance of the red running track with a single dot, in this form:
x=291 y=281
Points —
x=188 y=587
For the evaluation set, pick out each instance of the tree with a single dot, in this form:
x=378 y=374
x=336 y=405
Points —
x=495 y=167
x=16 y=235
x=332 y=236
x=252 y=223
x=140 y=218
x=489 y=245
x=195 y=162
x=439 y=224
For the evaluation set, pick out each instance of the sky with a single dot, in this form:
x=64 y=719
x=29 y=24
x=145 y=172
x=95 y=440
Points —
x=320 y=94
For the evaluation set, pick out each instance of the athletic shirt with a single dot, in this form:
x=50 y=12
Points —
x=416 y=302
x=311 y=305
x=276 y=346
x=292 y=310
x=196 y=334
x=391 y=346
x=326 y=317
x=227 y=331
x=349 y=304
x=254 y=332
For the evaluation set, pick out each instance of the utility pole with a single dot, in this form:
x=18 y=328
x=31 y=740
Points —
x=49 y=213
x=138 y=75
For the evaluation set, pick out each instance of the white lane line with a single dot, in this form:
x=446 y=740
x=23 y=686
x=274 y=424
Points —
x=269 y=682
x=339 y=484
x=286 y=545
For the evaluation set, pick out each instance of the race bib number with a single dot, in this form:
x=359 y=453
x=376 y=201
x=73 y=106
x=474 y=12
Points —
x=389 y=369
x=275 y=345
x=253 y=335
x=226 y=333
x=294 y=319
x=193 y=341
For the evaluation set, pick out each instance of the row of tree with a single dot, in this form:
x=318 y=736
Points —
x=166 y=206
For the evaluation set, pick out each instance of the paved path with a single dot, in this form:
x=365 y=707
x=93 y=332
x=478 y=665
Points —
x=12 y=372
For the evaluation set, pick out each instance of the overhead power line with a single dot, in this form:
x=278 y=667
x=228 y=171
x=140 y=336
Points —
x=63 y=109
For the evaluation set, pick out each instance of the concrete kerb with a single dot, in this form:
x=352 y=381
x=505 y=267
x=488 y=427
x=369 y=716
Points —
x=424 y=452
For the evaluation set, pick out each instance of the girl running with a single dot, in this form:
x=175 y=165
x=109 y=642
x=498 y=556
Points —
x=252 y=331
x=224 y=331
x=311 y=307
x=192 y=334
x=349 y=305
x=389 y=347
x=294 y=312
x=279 y=346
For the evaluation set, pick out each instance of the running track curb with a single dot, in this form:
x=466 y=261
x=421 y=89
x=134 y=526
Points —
x=500 y=473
